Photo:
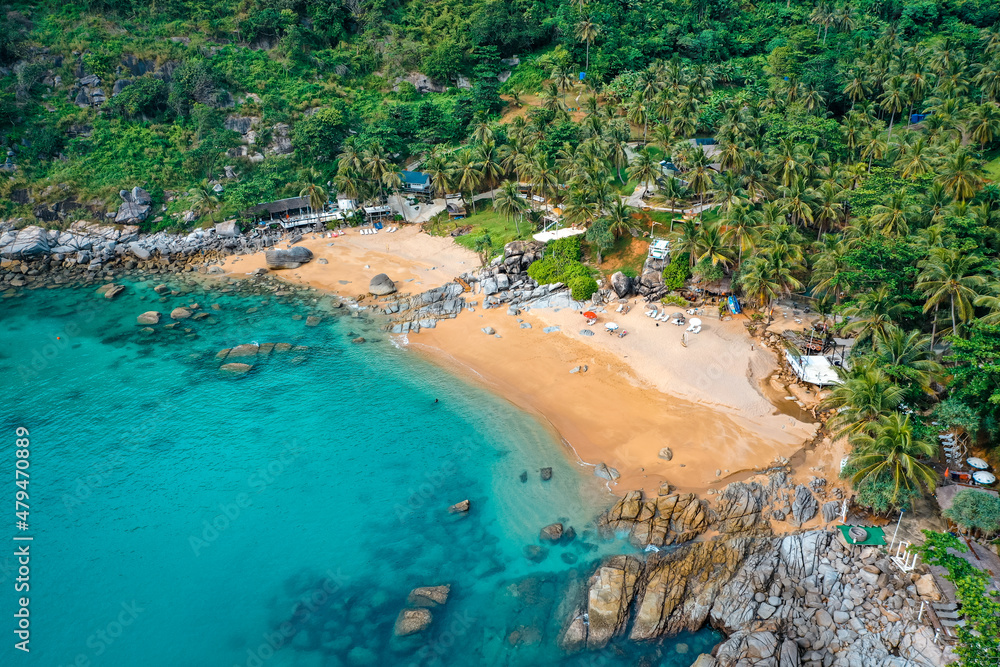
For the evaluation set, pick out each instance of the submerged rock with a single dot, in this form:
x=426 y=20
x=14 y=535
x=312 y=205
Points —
x=552 y=532
x=429 y=596
x=235 y=368
x=180 y=314
x=460 y=507
x=149 y=317
x=411 y=621
x=245 y=350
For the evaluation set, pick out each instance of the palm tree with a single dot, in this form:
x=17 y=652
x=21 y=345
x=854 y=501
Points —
x=700 y=181
x=873 y=313
x=685 y=240
x=831 y=272
x=912 y=157
x=587 y=31
x=892 y=450
x=789 y=161
x=509 y=203
x=349 y=159
x=483 y=133
x=828 y=204
x=892 y=216
x=873 y=147
x=857 y=87
x=961 y=177
x=766 y=278
x=983 y=124
x=954 y=276
x=712 y=245
x=315 y=192
x=469 y=175
x=864 y=396
x=893 y=99
x=543 y=177
x=204 y=200
x=375 y=163
x=739 y=225
x=797 y=200
x=392 y=177
x=906 y=357
x=620 y=218
x=643 y=169
x=580 y=209
x=637 y=114
x=563 y=79
x=489 y=161
x=441 y=173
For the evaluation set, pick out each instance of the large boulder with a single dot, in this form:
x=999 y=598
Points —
x=804 y=506
x=139 y=251
x=227 y=230
x=381 y=285
x=26 y=243
x=621 y=283
x=149 y=317
x=135 y=206
x=291 y=258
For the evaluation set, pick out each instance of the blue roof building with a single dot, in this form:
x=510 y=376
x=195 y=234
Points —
x=416 y=181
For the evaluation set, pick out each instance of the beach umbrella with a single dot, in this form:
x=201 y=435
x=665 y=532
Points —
x=984 y=478
x=695 y=322
x=611 y=326
x=677 y=315
x=590 y=315
x=977 y=463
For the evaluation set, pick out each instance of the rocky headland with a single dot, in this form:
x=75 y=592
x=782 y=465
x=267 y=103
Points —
x=801 y=598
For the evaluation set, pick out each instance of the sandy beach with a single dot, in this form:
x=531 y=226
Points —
x=639 y=394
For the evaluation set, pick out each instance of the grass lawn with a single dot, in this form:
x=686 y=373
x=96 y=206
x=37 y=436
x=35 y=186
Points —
x=626 y=255
x=484 y=220
x=992 y=169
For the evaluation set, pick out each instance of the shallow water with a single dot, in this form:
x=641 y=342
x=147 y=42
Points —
x=182 y=517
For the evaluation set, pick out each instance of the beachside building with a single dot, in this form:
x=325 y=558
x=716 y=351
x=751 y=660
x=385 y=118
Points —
x=287 y=213
x=455 y=206
x=296 y=212
x=417 y=184
x=377 y=213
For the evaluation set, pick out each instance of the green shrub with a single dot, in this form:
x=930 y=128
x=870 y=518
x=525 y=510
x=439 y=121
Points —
x=544 y=271
x=629 y=272
x=676 y=273
x=674 y=300
x=561 y=264
x=707 y=271
x=972 y=508
x=582 y=287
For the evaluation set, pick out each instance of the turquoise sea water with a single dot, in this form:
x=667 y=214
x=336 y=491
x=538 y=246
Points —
x=183 y=517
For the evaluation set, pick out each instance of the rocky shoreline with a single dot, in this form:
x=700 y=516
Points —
x=89 y=252
x=803 y=598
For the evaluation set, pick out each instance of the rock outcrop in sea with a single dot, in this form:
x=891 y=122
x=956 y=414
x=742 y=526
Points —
x=800 y=599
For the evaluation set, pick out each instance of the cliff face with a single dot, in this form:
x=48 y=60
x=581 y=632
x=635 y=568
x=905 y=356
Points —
x=799 y=599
